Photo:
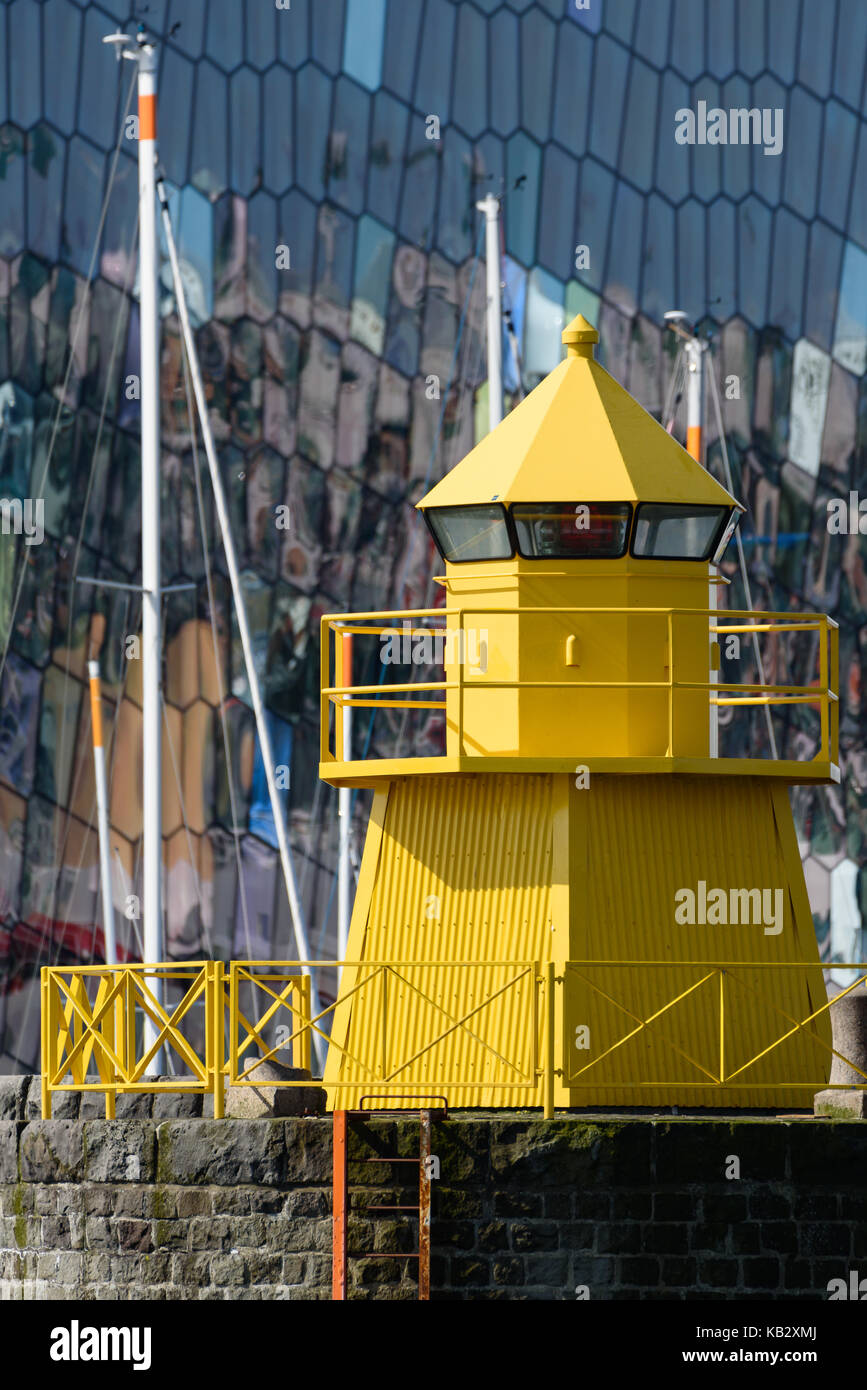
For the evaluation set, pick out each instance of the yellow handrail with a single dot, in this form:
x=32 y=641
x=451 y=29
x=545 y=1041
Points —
x=340 y=696
x=98 y=1025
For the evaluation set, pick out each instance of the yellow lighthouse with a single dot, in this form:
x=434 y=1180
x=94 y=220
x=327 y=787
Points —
x=580 y=901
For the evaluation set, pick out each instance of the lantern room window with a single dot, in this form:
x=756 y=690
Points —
x=571 y=530
x=668 y=531
x=471 y=533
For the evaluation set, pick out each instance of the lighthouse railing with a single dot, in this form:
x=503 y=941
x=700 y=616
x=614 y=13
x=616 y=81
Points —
x=405 y=625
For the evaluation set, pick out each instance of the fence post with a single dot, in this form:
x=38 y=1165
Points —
x=340 y=1202
x=47 y=1049
x=722 y=1026
x=549 y=1041
x=304 y=1038
x=218 y=1035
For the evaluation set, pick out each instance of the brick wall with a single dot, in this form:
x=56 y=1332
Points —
x=524 y=1208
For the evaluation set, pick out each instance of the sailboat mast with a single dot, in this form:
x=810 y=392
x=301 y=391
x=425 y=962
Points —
x=490 y=206
x=152 y=848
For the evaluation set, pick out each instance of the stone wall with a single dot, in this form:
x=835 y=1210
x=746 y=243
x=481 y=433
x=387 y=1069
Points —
x=631 y=1207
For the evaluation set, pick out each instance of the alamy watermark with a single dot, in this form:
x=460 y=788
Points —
x=739 y=126
x=847 y=518
x=77 y=1343
x=23 y=518
x=414 y=646
x=714 y=907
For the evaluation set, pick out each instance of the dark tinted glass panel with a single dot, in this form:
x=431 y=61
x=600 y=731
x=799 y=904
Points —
x=610 y=67
x=803 y=131
x=385 y=156
x=707 y=159
x=44 y=191
x=419 y=187
x=657 y=291
x=736 y=158
x=471 y=72
x=720 y=39
x=190 y=16
x=209 y=167
x=672 y=160
x=60 y=65
x=471 y=533
x=277 y=134
x=687 y=38
x=436 y=57
x=402 y=24
x=767 y=169
x=537 y=73
x=262 y=274
x=639 y=135
x=722 y=267
x=594 y=213
x=293 y=33
x=25 y=97
x=823 y=275
x=259 y=34
x=224 y=41
x=754 y=234
x=620 y=18
x=816 y=49
x=691 y=294
x=751 y=36
x=348 y=144
x=455 y=235
x=313 y=94
x=523 y=160
x=571 y=530
x=851 y=49
x=624 y=253
x=176 y=103
x=557 y=212
x=326 y=33
x=84 y=191
x=572 y=88
x=666 y=531
x=787 y=290
x=503 y=36
x=99 y=102
x=296 y=227
x=835 y=171
x=244 y=131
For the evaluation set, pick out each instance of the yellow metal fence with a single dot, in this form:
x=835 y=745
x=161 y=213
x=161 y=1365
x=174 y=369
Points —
x=92 y=1033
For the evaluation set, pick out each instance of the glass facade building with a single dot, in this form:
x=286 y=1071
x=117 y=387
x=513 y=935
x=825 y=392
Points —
x=323 y=162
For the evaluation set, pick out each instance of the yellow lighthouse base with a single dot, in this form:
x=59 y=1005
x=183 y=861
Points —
x=648 y=940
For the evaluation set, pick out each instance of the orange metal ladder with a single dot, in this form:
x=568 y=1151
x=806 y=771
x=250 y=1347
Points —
x=340 y=1254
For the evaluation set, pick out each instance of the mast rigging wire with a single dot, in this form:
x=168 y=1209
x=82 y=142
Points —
x=740 y=548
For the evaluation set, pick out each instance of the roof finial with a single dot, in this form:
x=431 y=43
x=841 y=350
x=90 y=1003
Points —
x=580 y=338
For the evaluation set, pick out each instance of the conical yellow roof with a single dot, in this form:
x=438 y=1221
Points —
x=579 y=437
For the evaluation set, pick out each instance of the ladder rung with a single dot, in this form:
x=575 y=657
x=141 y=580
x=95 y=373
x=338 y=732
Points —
x=382 y=1255
x=381 y=1208
x=391 y=1160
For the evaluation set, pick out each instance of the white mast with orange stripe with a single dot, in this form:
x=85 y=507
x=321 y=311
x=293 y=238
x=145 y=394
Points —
x=144 y=54
x=102 y=813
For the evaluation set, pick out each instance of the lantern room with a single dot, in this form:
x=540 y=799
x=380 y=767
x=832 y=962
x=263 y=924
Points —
x=580 y=544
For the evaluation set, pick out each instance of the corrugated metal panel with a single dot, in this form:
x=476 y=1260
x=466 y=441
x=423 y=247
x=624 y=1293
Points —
x=646 y=838
x=464 y=876
x=464 y=873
